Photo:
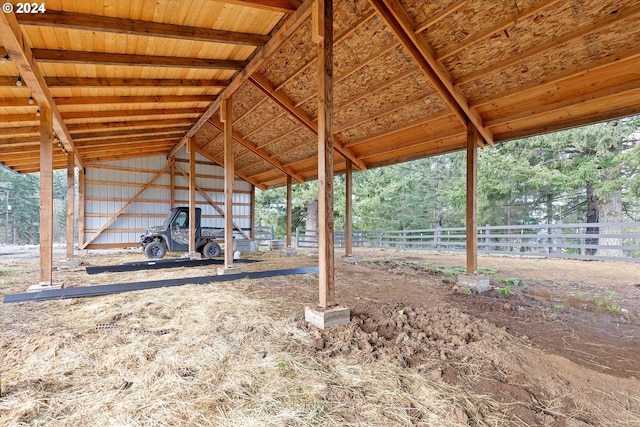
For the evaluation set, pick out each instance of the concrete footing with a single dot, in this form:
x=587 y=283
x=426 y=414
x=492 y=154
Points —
x=287 y=252
x=68 y=263
x=351 y=259
x=326 y=318
x=43 y=286
x=195 y=255
x=223 y=271
x=475 y=282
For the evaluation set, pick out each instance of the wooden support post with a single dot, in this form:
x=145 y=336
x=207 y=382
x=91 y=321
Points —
x=192 y=197
x=472 y=199
x=252 y=215
x=172 y=183
x=71 y=176
x=289 y=214
x=348 y=215
x=81 y=190
x=323 y=35
x=46 y=196
x=226 y=118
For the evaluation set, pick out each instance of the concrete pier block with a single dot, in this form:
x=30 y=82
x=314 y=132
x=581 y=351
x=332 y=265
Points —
x=223 y=271
x=43 y=286
x=476 y=282
x=326 y=318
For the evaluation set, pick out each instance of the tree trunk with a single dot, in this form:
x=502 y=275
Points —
x=592 y=217
x=610 y=208
x=312 y=215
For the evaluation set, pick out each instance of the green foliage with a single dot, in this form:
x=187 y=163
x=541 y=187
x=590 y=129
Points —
x=506 y=291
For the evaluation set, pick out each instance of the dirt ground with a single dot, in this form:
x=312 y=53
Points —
x=554 y=343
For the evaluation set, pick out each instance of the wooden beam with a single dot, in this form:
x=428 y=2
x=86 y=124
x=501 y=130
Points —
x=46 y=196
x=434 y=19
x=220 y=161
x=96 y=100
x=22 y=57
x=226 y=116
x=400 y=24
x=301 y=116
x=472 y=200
x=71 y=177
x=132 y=82
x=113 y=217
x=283 y=6
x=81 y=115
x=263 y=154
x=98 y=143
x=289 y=214
x=323 y=23
x=291 y=25
x=348 y=214
x=86 y=22
x=130 y=155
x=540 y=49
x=172 y=183
x=502 y=25
x=104 y=125
x=192 y=197
x=124 y=132
x=81 y=57
x=20 y=131
x=14 y=118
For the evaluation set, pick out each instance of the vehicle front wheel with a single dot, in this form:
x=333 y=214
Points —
x=211 y=250
x=155 y=250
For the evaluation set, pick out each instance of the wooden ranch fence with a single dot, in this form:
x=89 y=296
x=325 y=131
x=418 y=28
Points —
x=601 y=241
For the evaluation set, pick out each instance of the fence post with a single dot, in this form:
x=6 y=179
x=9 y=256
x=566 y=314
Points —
x=558 y=239
x=487 y=239
x=437 y=234
x=379 y=238
x=297 y=237
x=404 y=239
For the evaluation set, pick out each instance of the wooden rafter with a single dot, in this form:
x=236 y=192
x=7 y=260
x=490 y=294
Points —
x=552 y=44
x=80 y=21
x=263 y=154
x=21 y=55
x=302 y=12
x=220 y=162
x=133 y=82
x=301 y=116
x=283 y=6
x=128 y=139
x=123 y=132
x=488 y=32
x=81 y=57
x=400 y=24
x=79 y=115
x=129 y=124
x=95 y=100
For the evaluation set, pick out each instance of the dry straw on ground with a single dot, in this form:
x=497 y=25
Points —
x=200 y=355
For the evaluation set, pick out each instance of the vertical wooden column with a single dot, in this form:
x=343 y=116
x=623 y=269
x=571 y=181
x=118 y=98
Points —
x=81 y=190
x=172 y=183
x=226 y=118
x=46 y=196
x=252 y=215
x=323 y=35
x=348 y=215
x=71 y=177
x=472 y=199
x=192 y=197
x=289 y=213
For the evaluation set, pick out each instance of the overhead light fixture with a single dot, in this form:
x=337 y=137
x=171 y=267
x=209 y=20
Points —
x=5 y=58
x=38 y=113
x=30 y=99
x=19 y=81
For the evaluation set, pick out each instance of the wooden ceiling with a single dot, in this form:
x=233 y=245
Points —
x=128 y=78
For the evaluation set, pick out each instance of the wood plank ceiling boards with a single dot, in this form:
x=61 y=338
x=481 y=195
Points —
x=130 y=78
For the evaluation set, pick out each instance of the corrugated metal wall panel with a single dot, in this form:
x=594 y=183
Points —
x=111 y=185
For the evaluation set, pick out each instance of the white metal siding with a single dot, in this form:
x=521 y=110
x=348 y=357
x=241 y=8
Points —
x=109 y=186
